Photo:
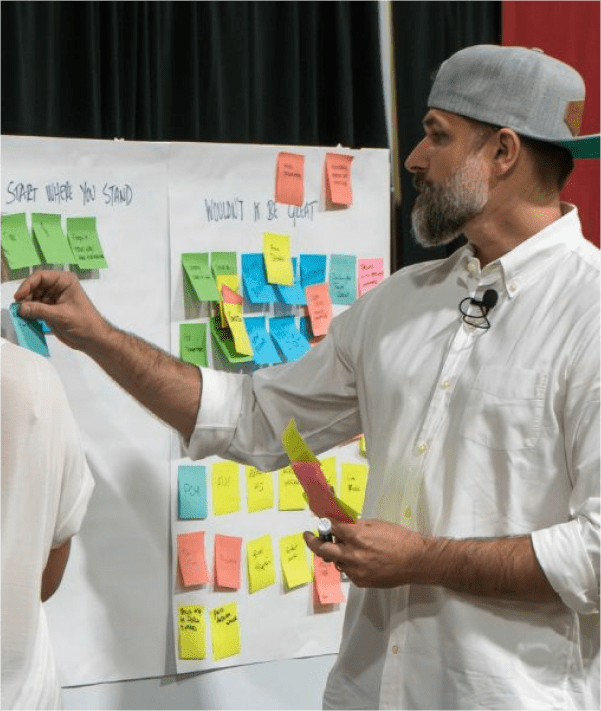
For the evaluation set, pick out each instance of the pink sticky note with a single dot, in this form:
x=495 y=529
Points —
x=319 y=305
x=230 y=296
x=321 y=499
x=338 y=179
x=227 y=561
x=191 y=556
x=289 y=182
x=328 y=589
x=371 y=273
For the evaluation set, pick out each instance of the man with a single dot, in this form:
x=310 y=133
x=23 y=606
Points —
x=476 y=562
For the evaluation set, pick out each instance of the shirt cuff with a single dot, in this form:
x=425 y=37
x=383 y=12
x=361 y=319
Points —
x=218 y=414
x=562 y=555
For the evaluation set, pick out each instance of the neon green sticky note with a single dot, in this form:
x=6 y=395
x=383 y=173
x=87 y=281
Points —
x=200 y=277
x=193 y=343
x=225 y=342
x=192 y=634
x=225 y=488
x=225 y=631
x=51 y=240
x=259 y=489
x=292 y=496
x=293 y=554
x=224 y=263
x=352 y=485
x=85 y=244
x=278 y=262
x=261 y=568
x=295 y=446
x=17 y=244
x=328 y=467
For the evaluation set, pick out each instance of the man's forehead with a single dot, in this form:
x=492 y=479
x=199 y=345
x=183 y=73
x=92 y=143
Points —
x=442 y=118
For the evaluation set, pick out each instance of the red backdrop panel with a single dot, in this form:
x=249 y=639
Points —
x=568 y=31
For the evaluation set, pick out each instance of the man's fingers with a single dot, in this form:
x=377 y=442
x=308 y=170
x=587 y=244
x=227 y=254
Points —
x=36 y=309
x=330 y=552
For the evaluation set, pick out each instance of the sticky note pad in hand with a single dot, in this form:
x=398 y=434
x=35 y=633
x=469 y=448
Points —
x=30 y=332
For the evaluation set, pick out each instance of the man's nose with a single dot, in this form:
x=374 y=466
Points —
x=416 y=160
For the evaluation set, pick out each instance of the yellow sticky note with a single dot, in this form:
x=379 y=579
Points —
x=293 y=553
x=328 y=467
x=231 y=281
x=294 y=445
x=352 y=485
x=225 y=631
x=233 y=316
x=278 y=264
x=226 y=491
x=191 y=623
x=292 y=495
x=362 y=446
x=259 y=489
x=261 y=568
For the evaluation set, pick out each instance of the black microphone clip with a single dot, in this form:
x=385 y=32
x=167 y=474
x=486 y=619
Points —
x=479 y=319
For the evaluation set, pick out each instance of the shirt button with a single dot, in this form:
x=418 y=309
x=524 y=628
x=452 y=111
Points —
x=422 y=448
x=395 y=649
x=445 y=385
x=513 y=287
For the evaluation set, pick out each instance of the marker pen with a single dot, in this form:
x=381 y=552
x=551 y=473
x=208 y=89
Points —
x=324 y=529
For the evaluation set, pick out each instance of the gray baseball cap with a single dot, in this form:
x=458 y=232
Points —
x=524 y=89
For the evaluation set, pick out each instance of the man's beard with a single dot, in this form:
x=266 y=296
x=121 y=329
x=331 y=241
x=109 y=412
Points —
x=441 y=211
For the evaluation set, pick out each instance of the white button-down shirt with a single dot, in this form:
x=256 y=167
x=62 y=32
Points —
x=470 y=433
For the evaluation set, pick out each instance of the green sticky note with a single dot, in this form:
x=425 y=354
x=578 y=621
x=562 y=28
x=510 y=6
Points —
x=49 y=235
x=17 y=244
x=193 y=343
x=225 y=342
x=196 y=268
x=83 y=238
x=224 y=263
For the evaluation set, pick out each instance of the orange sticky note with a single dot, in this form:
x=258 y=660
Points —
x=338 y=179
x=319 y=304
x=290 y=177
x=227 y=561
x=191 y=556
x=328 y=588
x=371 y=273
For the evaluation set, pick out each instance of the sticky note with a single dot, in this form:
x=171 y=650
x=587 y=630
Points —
x=227 y=561
x=312 y=269
x=294 y=295
x=231 y=281
x=278 y=264
x=287 y=337
x=353 y=481
x=259 y=489
x=295 y=446
x=84 y=242
x=232 y=308
x=295 y=567
x=225 y=488
x=224 y=263
x=264 y=350
x=328 y=467
x=371 y=273
x=305 y=328
x=290 y=178
x=192 y=491
x=261 y=568
x=224 y=340
x=338 y=179
x=343 y=281
x=17 y=244
x=51 y=240
x=254 y=277
x=362 y=446
x=192 y=631
x=199 y=276
x=291 y=493
x=322 y=500
x=328 y=586
x=225 y=631
x=191 y=557
x=30 y=332
x=319 y=306
x=193 y=343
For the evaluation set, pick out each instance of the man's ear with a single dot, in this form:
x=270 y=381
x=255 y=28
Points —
x=506 y=149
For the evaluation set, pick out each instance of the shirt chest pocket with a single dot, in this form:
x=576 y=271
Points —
x=504 y=408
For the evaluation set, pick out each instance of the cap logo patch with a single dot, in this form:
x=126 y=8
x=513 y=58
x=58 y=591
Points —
x=573 y=116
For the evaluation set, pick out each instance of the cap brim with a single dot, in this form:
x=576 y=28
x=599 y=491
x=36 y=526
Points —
x=582 y=146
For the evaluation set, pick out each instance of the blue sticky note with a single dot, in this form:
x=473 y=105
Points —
x=294 y=295
x=264 y=352
x=305 y=327
x=192 y=489
x=289 y=340
x=343 y=279
x=312 y=269
x=255 y=280
x=30 y=332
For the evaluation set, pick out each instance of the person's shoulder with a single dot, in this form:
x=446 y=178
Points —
x=25 y=373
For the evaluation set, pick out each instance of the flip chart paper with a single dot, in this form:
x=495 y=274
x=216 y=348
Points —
x=191 y=557
x=328 y=468
x=255 y=280
x=261 y=568
x=192 y=490
x=17 y=244
x=192 y=632
x=200 y=277
x=225 y=342
x=352 y=485
x=338 y=179
x=289 y=183
x=291 y=492
x=232 y=307
x=225 y=631
x=319 y=305
x=30 y=332
x=86 y=247
x=312 y=269
x=259 y=489
x=295 y=446
x=343 y=281
x=50 y=238
x=278 y=263
x=289 y=340
x=227 y=561
x=294 y=295
x=193 y=343
x=224 y=263
x=322 y=501
x=293 y=555
x=371 y=273
x=264 y=351
x=327 y=582
x=231 y=281
x=225 y=488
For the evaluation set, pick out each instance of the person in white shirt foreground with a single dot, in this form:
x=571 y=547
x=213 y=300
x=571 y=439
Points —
x=46 y=486
x=476 y=562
